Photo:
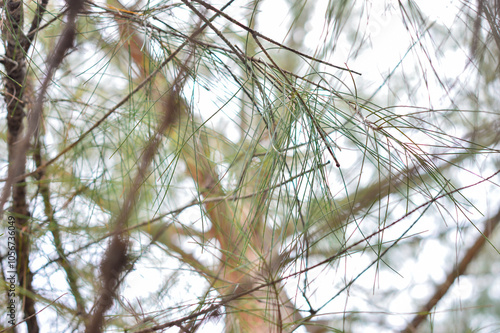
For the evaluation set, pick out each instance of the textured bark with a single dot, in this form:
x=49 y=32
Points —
x=15 y=68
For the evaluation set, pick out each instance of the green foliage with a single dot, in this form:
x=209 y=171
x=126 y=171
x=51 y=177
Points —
x=241 y=219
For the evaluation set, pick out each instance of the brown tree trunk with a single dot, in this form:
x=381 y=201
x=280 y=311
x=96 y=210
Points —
x=15 y=68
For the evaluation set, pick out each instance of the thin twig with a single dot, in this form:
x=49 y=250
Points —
x=318 y=128
x=454 y=274
x=115 y=257
x=44 y=189
x=258 y=34
x=30 y=317
x=120 y=103
x=54 y=60
x=228 y=298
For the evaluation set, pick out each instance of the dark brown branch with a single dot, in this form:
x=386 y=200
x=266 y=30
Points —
x=112 y=110
x=460 y=269
x=48 y=23
x=15 y=68
x=258 y=34
x=21 y=145
x=8 y=296
x=35 y=24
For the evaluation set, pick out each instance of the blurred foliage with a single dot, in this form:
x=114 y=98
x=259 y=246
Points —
x=243 y=222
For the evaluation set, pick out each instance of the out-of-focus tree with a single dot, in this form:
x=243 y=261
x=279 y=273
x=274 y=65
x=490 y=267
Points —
x=250 y=166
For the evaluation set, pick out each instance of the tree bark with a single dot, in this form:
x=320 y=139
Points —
x=15 y=84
